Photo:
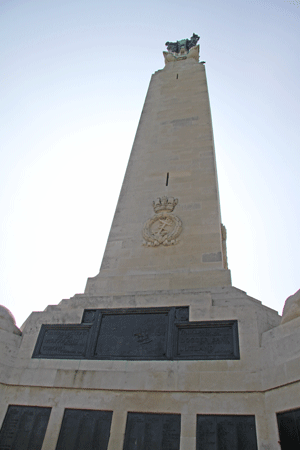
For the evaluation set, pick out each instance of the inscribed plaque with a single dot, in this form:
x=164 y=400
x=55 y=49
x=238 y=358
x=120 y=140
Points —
x=289 y=429
x=24 y=428
x=163 y=333
x=226 y=432
x=146 y=431
x=62 y=341
x=133 y=335
x=207 y=340
x=83 y=429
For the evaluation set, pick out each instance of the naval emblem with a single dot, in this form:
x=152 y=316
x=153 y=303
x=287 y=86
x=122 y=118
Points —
x=163 y=228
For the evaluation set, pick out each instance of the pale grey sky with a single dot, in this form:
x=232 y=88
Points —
x=74 y=79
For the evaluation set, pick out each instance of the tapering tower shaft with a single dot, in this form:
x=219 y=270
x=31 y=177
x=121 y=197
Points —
x=166 y=232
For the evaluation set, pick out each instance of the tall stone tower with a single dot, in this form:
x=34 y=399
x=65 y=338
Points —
x=160 y=352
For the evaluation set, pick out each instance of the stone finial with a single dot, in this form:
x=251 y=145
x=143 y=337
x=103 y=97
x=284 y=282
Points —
x=291 y=308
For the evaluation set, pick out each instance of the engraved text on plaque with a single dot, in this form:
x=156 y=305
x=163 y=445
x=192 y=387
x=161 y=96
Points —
x=24 y=428
x=152 y=431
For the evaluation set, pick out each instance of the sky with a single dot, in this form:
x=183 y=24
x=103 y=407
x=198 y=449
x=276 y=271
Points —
x=74 y=76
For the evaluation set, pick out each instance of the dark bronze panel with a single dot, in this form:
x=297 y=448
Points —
x=226 y=432
x=62 y=341
x=289 y=429
x=146 y=431
x=83 y=429
x=133 y=335
x=139 y=334
x=207 y=340
x=24 y=428
x=89 y=315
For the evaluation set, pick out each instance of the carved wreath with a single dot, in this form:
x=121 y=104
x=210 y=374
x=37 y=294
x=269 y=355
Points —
x=162 y=229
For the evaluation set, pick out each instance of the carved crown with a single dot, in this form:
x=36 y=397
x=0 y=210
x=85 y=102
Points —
x=165 y=204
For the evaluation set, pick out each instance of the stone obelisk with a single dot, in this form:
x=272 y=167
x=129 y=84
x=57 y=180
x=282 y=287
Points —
x=166 y=232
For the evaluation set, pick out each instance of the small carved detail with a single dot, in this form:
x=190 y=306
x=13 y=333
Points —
x=89 y=316
x=143 y=338
x=163 y=228
x=164 y=204
x=224 y=246
x=182 y=314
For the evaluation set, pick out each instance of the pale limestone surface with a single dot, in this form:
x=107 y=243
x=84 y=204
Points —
x=10 y=340
x=291 y=308
x=175 y=137
x=7 y=321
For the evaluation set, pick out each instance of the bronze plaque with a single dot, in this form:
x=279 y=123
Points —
x=226 y=432
x=24 y=428
x=208 y=340
x=133 y=335
x=289 y=429
x=83 y=429
x=62 y=341
x=145 y=431
x=139 y=334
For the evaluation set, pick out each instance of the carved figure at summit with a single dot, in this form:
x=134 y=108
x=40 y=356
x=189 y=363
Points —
x=183 y=49
x=184 y=45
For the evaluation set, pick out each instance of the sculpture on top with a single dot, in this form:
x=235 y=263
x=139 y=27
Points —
x=183 y=49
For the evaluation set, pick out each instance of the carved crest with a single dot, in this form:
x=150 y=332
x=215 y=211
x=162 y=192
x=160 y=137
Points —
x=163 y=228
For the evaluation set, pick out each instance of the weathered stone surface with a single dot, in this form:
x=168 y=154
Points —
x=212 y=257
x=7 y=321
x=291 y=308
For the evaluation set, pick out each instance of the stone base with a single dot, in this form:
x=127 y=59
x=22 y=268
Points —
x=264 y=381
